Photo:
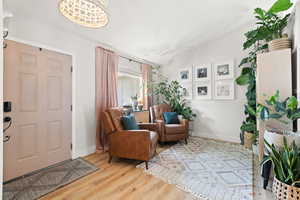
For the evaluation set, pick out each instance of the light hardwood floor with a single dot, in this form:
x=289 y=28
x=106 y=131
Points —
x=122 y=180
x=118 y=180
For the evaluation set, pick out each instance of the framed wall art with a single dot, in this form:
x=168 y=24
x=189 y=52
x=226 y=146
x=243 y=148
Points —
x=185 y=75
x=202 y=90
x=202 y=72
x=188 y=91
x=224 y=90
x=224 y=70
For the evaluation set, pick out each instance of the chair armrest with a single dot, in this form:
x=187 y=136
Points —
x=135 y=144
x=149 y=126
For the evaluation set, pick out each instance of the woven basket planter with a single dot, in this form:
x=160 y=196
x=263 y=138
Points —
x=283 y=191
x=282 y=43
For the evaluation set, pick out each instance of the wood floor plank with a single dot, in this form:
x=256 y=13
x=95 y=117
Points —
x=119 y=180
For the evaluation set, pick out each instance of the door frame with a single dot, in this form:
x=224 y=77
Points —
x=36 y=44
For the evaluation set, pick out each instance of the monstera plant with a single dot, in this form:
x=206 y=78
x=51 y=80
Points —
x=270 y=25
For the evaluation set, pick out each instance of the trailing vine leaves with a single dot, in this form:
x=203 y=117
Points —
x=270 y=26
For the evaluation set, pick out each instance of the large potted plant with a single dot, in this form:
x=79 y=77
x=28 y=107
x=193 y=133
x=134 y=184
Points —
x=286 y=164
x=172 y=94
x=269 y=26
x=278 y=117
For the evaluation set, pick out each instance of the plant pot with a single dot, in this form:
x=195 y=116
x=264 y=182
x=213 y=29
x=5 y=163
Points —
x=248 y=140
x=180 y=117
x=284 y=191
x=255 y=149
x=276 y=138
x=281 y=43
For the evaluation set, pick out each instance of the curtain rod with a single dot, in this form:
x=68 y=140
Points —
x=131 y=60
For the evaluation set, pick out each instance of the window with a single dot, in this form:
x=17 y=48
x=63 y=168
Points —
x=129 y=81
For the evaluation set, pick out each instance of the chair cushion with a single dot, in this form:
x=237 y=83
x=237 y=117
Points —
x=175 y=129
x=129 y=123
x=171 y=118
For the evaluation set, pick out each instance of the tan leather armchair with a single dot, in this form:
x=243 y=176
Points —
x=134 y=144
x=169 y=132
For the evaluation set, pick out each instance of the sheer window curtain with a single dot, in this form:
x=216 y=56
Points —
x=106 y=89
x=147 y=92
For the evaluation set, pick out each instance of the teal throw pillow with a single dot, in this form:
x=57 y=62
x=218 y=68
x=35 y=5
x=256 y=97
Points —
x=129 y=123
x=171 y=118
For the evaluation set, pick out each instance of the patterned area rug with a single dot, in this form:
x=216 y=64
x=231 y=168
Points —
x=47 y=180
x=207 y=169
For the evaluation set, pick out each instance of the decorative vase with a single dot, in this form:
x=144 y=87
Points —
x=281 y=43
x=140 y=106
x=284 y=191
x=248 y=140
x=135 y=104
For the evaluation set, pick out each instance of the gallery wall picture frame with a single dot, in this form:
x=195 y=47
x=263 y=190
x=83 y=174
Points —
x=185 y=74
x=202 y=72
x=188 y=91
x=203 y=90
x=224 y=90
x=224 y=70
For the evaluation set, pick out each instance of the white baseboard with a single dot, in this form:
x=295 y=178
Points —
x=215 y=137
x=84 y=152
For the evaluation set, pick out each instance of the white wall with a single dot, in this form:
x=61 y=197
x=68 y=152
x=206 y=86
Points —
x=216 y=119
x=83 y=52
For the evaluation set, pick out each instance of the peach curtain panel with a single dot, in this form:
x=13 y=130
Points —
x=106 y=89
x=147 y=93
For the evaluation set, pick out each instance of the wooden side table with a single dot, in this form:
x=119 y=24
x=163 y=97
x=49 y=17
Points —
x=142 y=116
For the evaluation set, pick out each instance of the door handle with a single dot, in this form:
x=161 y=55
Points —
x=7 y=120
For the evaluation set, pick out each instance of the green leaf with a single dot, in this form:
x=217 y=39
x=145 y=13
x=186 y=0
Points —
x=280 y=5
x=260 y=12
x=264 y=114
x=243 y=79
x=292 y=103
x=275 y=116
x=250 y=110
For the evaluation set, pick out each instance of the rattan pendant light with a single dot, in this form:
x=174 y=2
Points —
x=88 y=13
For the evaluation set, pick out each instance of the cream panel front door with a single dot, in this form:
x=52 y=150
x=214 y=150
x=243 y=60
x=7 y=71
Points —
x=38 y=84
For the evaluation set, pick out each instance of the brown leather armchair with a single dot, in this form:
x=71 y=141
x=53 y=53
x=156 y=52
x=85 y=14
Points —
x=134 y=144
x=169 y=132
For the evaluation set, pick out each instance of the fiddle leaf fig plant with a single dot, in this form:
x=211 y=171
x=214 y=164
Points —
x=270 y=25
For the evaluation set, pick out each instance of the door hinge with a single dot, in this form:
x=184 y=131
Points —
x=71 y=107
x=71 y=146
x=71 y=69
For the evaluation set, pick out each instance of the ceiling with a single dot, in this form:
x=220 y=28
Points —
x=154 y=30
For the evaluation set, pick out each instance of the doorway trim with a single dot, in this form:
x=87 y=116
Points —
x=74 y=64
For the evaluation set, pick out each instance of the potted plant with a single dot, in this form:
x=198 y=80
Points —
x=271 y=25
x=286 y=164
x=279 y=117
x=172 y=94
x=257 y=42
